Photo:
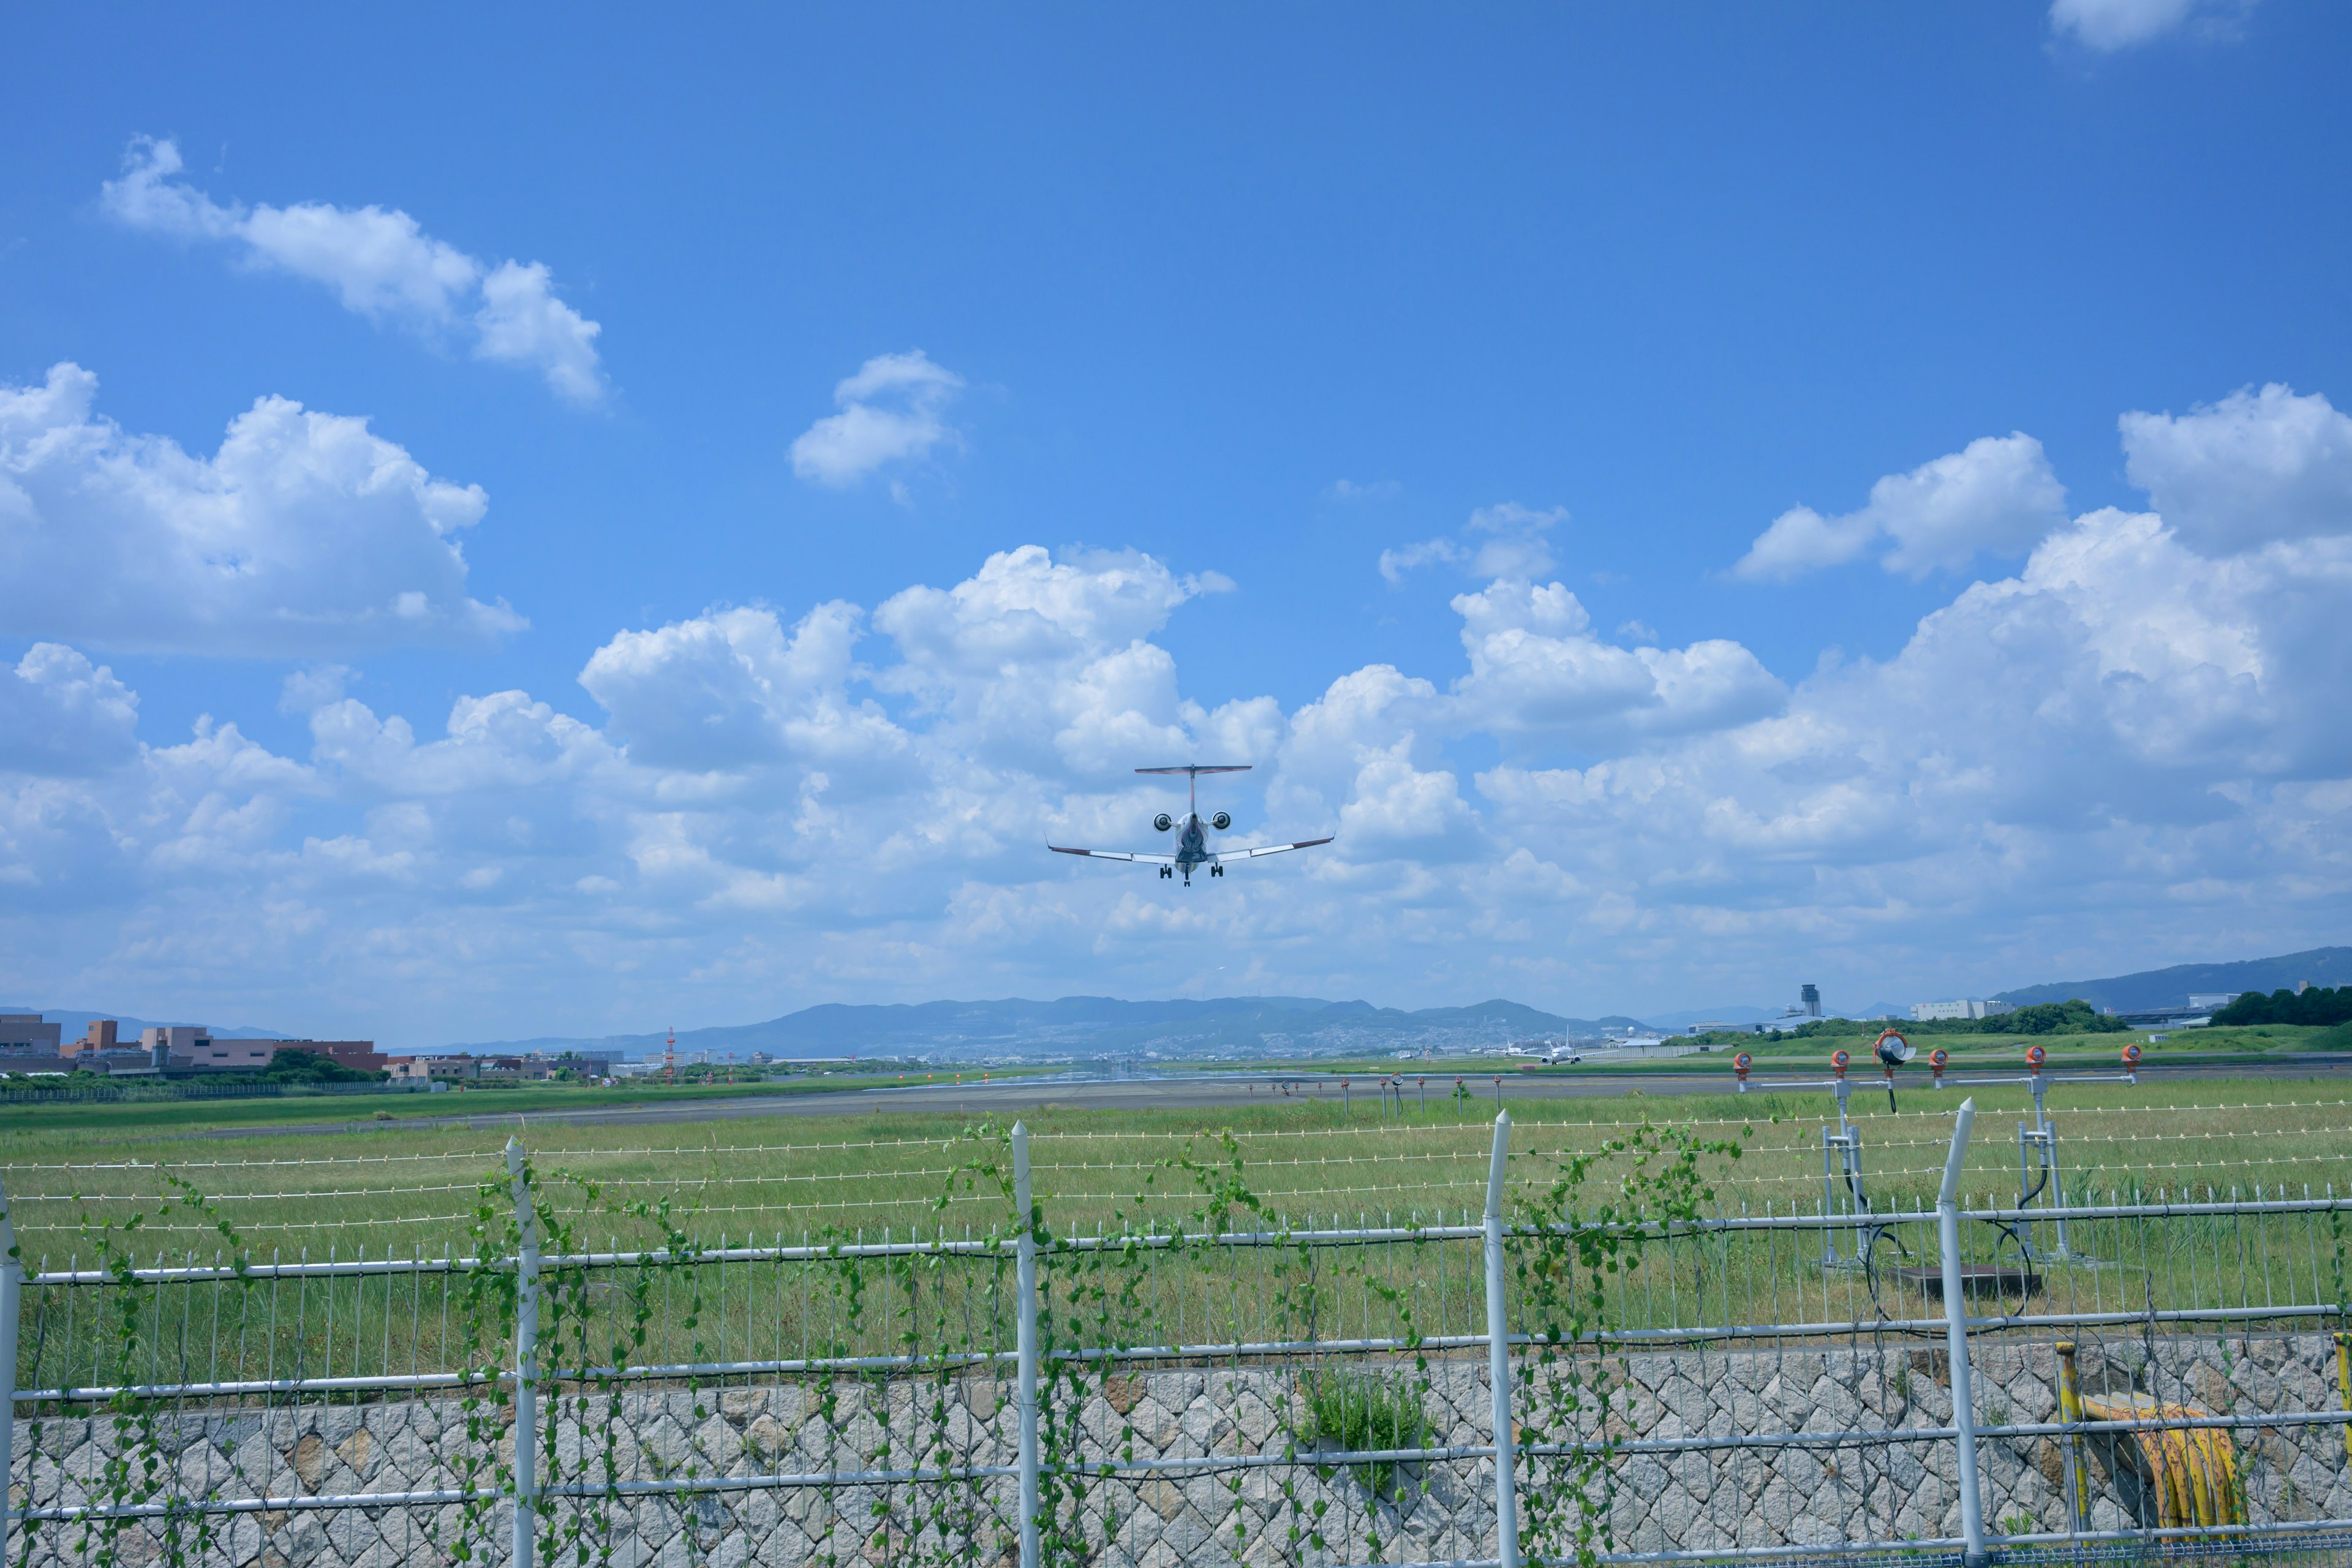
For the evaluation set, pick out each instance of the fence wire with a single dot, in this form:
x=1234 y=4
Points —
x=598 y=1377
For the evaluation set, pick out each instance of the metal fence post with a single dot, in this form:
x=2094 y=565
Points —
x=526 y=1363
x=12 y=1284
x=1498 y=1356
x=1026 y=1299
x=1956 y=1338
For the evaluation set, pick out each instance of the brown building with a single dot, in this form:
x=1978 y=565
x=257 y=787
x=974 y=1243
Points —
x=358 y=1054
x=442 y=1069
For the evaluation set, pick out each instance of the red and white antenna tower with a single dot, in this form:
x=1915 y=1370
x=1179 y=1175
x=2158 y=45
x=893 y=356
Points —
x=669 y=1057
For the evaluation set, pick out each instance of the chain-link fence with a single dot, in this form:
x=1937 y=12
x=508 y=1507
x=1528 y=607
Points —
x=1599 y=1365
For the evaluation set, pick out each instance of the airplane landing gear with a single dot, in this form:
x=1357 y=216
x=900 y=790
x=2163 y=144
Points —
x=1216 y=870
x=1166 y=872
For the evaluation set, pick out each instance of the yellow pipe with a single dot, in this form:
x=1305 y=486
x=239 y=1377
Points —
x=2195 y=1469
x=2344 y=1384
x=2070 y=1409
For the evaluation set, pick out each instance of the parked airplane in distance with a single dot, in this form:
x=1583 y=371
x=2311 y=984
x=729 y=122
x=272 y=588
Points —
x=1193 y=842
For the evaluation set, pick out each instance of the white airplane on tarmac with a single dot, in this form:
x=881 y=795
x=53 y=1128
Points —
x=1192 y=843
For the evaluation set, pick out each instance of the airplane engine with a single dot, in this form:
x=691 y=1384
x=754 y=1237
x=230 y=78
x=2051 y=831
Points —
x=1163 y=822
x=1220 y=822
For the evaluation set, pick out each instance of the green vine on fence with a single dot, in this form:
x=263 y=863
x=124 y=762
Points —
x=138 y=1469
x=1572 y=1235
x=1567 y=1249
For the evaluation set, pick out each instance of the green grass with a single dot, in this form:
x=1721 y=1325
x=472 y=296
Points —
x=1361 y=1410
x=1304 y=1155
x=298 y=1108
x=410 y=1191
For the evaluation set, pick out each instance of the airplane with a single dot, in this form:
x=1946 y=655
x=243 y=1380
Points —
x=1192 y=844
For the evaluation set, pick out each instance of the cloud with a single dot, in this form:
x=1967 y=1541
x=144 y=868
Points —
x=60 y=715
x=891 y=413
x=1537 y=672
x=2247 y=470
x=521 y=322
x=1365 y=489
x=305 y=533
x=1045 y=665
x=1996 y=495
x=380 y=264
x=1502 y=541
x=2108 y=25
x=2129 y=748
x=731 y=688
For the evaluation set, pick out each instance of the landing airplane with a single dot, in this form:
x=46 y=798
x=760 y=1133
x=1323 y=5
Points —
x=1192 y=844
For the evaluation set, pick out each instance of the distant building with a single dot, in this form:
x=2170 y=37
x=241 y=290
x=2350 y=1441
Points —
x=231 y=1056
x=101 y=1036
x=459 y=1068
x=585 y=1056
x=2211 y=1001
x=27 y=1032
x=1807 y=1009
x=1929 y=1012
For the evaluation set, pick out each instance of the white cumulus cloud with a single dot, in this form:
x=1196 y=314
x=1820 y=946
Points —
x=380 y=264
x=304 y=534
x=892 y=410
x=61 y=715
x=734 y=689
x=1536 y=670
x=2253 y=468
x=1996 y=495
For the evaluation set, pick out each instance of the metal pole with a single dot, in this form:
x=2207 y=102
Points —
x=2057 y=1182
x=1026 y=1294
x=1956 y=1339
x=12 y=1282
x=526 y=1356
x=1498 y=1356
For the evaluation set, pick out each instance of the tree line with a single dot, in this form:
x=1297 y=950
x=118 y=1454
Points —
x=2316 y=1006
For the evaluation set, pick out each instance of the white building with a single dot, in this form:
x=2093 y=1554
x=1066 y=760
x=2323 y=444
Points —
x=1929 y=1012
x=2211 y=1001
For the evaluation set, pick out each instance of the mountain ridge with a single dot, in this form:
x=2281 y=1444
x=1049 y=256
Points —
x=2151 y=989
x=1099 y=1025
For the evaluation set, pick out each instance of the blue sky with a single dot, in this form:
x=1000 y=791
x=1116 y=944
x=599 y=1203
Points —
x=1497 y=352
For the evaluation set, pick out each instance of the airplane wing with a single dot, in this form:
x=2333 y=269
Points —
x=1115 y=855
x=1268 y=849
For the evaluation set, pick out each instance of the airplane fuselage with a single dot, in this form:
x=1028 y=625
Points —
x=1192 y=847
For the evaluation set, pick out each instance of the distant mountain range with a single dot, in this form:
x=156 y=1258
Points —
x=2155 y=988
x=1256 y=1026
x=1101 y=1025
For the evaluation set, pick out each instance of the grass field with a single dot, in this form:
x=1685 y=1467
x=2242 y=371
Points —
x=415 y=1186
x=410 y=1191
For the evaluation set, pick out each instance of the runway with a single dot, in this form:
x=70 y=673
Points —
x=1203 y=1091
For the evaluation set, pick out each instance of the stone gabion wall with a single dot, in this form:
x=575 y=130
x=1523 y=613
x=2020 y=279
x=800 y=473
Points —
x=1689 y=1500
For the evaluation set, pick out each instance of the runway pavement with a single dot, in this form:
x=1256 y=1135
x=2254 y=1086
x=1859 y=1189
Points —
x=1169 y=1093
